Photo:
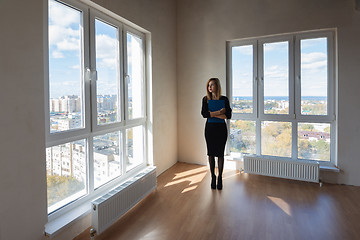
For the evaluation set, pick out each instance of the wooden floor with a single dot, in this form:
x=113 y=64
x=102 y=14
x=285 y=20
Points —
x=249 y=207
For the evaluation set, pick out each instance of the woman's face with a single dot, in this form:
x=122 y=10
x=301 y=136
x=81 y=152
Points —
x=212 y=87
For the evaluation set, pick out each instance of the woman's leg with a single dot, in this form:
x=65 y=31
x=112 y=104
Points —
x=221 y=168
x=212 y=171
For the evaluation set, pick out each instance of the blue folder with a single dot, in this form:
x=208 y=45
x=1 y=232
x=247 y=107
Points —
x=215 y=105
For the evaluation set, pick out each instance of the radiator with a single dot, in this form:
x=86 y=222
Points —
x=110 y=207
x=290 y=169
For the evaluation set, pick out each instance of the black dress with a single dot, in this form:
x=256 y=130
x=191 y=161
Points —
x=215 y=133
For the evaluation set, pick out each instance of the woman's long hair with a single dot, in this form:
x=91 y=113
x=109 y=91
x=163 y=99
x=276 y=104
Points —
x=218 y=89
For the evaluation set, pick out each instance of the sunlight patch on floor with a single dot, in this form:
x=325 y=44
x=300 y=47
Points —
x=189 y=189
x=191 y=177
x=281 y=204
x=190 y=172
x=230 y=176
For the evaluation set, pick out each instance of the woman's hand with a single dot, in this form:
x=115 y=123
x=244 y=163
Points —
x=218 y=113
x=221 y=116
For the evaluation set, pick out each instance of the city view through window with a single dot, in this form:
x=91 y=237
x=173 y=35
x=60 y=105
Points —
x=276 y=137
x=113 y=153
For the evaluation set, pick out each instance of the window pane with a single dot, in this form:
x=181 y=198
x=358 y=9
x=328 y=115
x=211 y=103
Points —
x=107 y=66
x=242 y=79
x=66 y=173
x=107 y=158
x=65 y=68
x=242 y=136
x=134 y=147
x=314 y=79
x=276 y=78
x=314 y=141
x=135 y=79
x=276 y=138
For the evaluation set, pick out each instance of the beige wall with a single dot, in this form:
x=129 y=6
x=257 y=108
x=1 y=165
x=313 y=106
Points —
x=204 y=28
x=22 y=159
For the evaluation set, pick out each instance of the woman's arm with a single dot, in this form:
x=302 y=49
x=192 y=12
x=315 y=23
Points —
x=228 y=111
x=221 y=116
x=217 y=113
x=204 y=109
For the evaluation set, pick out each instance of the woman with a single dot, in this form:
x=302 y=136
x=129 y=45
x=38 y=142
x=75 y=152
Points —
x=215 y=132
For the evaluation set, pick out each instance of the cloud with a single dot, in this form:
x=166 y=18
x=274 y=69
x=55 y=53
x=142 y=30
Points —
x=64 y=29
x=75 y=67
x=58 y=34
x=308 y=43
x=57 y=54
x=276 y=72
x=245 y=50
x=313 y=57
x=106 y=51
x=313 y=61
x=69 y=44
x=58 y=11
x=278 y=46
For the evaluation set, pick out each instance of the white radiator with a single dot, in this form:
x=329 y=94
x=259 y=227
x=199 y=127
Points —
x=290 y=169
x=110 y=207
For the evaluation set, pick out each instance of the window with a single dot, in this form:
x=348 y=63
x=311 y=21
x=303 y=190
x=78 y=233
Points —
x=283 y=96
x=96 y=117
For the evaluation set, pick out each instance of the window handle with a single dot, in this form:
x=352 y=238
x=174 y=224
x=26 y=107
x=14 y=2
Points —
x=127 y=78
x=87 y=74
x=90 y=75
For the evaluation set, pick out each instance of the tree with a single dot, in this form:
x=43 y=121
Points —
x=276 y=139
x=61 y=187
x=327 y=129
x=307 y=127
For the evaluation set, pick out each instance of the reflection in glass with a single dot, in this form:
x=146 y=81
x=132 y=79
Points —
x=66 y=173
x=314 y=141
x=107 y=66
x=107 y=158
x=242 y=136
x=242 y=79
x=276 y=138
x=134 y=147
x=276 y=78
x=65 y=68
x=135 y=78
x=314 y=78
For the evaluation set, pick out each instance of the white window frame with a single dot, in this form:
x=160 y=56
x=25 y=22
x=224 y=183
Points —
x=73 y=134
x=276 y=117
x=91 y=129
x=294 y=116
x=140 y=120
x=230 y=45
x=95 y=14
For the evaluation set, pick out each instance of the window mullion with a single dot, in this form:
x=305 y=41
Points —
x=90 y=168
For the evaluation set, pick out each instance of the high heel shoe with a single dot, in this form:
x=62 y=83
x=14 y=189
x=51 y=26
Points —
x=213 y=182
x=219 y=185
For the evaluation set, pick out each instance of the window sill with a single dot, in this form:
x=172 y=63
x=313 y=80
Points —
x=55 y=226
x=329 y=168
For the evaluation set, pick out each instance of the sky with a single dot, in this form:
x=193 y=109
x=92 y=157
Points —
x=66 y=56
x=64 y=50
x=276 y=73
